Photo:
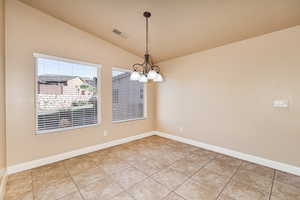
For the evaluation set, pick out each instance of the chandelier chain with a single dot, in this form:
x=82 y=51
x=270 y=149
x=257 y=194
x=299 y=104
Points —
x=147 y=51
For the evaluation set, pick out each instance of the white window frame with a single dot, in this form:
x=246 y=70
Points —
x=145 y=100
x=99 y=78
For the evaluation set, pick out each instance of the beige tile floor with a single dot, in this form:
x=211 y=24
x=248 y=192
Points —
x=153 y=168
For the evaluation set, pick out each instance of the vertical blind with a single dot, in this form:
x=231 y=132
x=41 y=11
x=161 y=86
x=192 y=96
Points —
x=127 y=97
x=66 y=94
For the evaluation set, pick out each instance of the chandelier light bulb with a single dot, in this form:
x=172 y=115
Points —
x=135 y=76
x=143 y=78
x=152 y=74
x=158 y=78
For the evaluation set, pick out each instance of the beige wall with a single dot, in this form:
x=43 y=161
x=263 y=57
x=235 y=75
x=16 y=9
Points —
x=2 y=94
x=31 y=31
x=223 y=96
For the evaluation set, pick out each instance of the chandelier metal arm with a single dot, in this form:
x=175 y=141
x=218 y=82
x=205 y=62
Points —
x=156 y=68
x=137 y=66
x=142 y=68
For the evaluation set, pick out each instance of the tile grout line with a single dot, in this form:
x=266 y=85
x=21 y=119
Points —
x=73 y=182
x=152 y=159
x=151 y=177
x=108 y=175
x=33 y=196
x=147 y=177
x=273 y=180
x=170 y=191
x=236 y=171
x=189 y=177
x=172 y=163
x=130 y=195
x=180 y=196
x=124 y=189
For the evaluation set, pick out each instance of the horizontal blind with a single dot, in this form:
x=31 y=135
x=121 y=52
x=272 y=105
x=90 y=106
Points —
x=66 y=95
x=127 y=97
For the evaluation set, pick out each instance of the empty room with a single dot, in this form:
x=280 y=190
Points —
x=149 y=100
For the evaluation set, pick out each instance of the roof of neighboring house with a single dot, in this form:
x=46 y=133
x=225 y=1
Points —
x=120 y=76
x=93 y=83
x=55 y=78
x=62 y=79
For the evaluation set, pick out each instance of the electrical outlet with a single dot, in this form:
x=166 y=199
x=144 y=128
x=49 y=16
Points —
x=105 y=133
x=181 y=129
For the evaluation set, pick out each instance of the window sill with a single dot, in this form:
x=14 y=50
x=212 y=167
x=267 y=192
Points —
x=64 y=129
x=128 y=120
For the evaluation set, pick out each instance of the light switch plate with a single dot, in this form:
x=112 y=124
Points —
x=280 y=103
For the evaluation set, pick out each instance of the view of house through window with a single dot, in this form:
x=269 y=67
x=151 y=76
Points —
x=127 y=97
x=66 y=94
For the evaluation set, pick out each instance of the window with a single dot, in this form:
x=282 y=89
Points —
x=142 y=93
x=128 y=100
x=66 y=94
x=115 y=94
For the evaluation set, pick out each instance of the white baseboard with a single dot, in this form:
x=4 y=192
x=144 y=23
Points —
x=3 y=184
x=243 y=156
x=51 y=159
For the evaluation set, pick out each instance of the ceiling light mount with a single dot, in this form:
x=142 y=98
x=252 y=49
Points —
x=147 y=70
x=147 y=14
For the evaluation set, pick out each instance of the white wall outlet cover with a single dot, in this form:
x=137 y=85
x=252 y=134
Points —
x=105 y=133
x=280 y=103
x=181 y=129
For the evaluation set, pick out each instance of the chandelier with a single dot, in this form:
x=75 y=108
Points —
x=147 y=70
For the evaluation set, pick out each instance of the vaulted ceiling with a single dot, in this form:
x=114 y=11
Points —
x=177 y=27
